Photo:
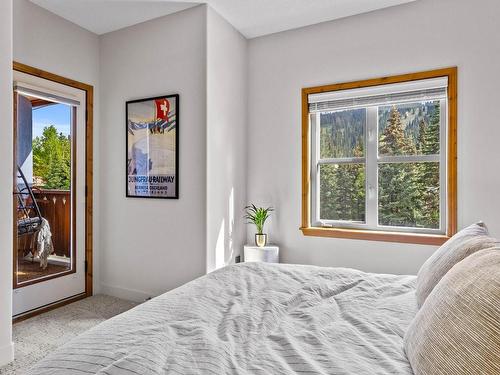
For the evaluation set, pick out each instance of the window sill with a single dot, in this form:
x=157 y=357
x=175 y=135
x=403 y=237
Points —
x=358 y=234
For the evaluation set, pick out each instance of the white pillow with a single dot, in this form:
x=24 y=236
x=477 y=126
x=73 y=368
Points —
x=457 y=330
x=461 y=245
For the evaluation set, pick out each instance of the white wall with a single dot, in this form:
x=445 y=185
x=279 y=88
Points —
x=418 y=36
x=150 y=246
x=48 y=42
x=6 y=154
x=226 y=140
x=153 y=245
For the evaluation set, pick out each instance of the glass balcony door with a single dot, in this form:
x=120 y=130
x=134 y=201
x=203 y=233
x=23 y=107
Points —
x=49 y=192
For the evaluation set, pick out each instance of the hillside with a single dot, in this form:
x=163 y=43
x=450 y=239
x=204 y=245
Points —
x=343 y=132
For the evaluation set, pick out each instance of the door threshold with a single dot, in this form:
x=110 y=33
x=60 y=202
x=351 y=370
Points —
x=51 y=306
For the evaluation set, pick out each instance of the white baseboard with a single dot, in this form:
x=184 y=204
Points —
x=124 y=293
x=6 y=354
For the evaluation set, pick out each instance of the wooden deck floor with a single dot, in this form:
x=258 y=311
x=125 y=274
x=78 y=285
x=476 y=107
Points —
x=28 y=270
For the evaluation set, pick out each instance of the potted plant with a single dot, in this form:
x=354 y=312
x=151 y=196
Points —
x=258 y=216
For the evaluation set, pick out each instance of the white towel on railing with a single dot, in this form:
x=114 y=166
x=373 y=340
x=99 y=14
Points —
x=44 y=244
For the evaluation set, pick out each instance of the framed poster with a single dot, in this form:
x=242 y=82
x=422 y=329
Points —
x=153 y=147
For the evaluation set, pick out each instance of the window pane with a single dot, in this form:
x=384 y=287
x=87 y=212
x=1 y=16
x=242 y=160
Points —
x=342 y=192
x=409 y=195
x=409 y=129
x=343 y=134
x=43 y=189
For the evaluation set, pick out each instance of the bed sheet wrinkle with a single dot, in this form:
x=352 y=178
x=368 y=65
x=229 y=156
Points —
x=298 y=359
x=254 y=319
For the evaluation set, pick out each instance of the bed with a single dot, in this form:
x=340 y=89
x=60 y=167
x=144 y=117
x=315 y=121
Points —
x=255 y=318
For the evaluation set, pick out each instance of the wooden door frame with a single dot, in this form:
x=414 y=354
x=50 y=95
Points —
x=89 y=122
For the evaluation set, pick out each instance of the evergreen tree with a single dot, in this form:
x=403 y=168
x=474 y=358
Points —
x=428 y=174
x=393 y=140
x=58 y=175
x=52 y=159
x=342 y=190
x=327 y=192
x=397 y=181
x=431 y=138
x=422 y=133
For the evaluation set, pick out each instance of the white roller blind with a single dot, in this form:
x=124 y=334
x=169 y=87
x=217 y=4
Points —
x=44 y=94
x=421 y=90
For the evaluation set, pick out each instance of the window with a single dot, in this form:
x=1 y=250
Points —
x=379 y=158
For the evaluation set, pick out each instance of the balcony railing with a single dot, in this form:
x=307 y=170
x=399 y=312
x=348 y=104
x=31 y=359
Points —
x=55 y=206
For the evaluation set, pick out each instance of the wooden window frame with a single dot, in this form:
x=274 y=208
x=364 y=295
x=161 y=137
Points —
x=375 y=235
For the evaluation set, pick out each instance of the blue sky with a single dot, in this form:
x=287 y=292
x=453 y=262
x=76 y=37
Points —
x=58 y=115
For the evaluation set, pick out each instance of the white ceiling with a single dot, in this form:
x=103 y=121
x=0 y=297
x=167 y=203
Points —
x=251 y=17
x=103 y=16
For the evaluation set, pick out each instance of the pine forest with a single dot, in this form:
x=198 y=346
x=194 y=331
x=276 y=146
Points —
x=408 y=193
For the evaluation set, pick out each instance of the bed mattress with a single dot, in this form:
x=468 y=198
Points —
x=254 y=318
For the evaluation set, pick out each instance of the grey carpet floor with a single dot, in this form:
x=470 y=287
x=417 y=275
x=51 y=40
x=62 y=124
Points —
x=36 y=337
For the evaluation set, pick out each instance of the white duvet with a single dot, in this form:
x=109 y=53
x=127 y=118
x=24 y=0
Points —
x=254 y=318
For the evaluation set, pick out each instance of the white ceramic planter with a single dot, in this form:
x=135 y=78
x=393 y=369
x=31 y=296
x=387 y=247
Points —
x=268 y=254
